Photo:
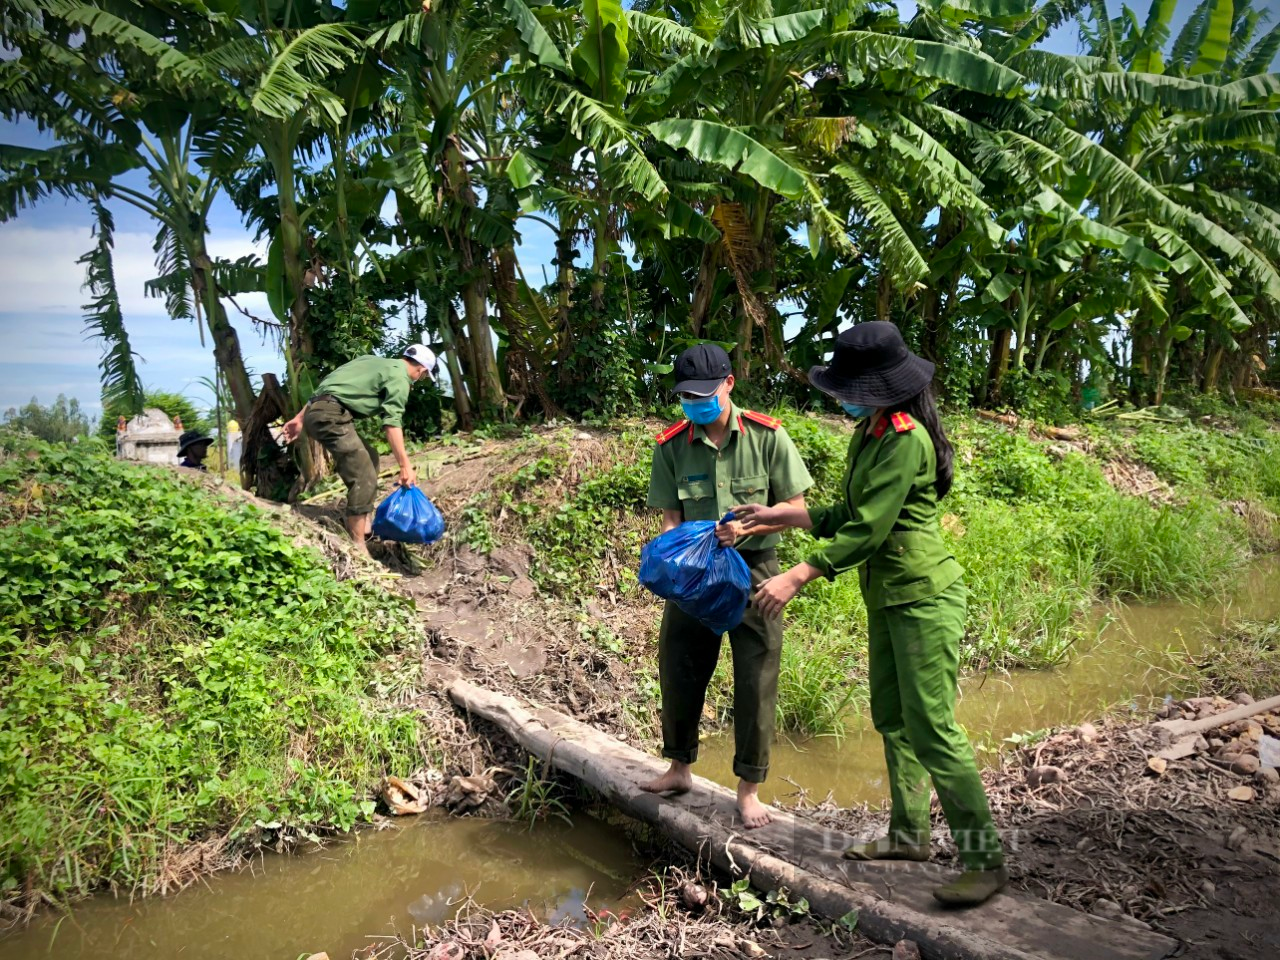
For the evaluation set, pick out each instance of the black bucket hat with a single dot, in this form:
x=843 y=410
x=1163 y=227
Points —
x=191 y=438
x=873 y=367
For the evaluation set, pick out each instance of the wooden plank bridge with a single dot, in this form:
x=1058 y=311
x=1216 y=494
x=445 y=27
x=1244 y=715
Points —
x=894 y=900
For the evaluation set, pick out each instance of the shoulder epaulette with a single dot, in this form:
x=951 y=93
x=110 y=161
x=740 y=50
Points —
x=773 y=423
x=671 y=431
x=902 y=422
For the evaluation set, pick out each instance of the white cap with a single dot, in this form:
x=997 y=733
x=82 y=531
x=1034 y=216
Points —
x=422 y=354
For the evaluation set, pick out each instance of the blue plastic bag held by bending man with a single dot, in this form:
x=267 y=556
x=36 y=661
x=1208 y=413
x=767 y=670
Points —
x=703 y=577
x=408 y=516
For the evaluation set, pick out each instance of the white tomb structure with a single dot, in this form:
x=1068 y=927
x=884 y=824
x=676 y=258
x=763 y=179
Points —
x=150 y=437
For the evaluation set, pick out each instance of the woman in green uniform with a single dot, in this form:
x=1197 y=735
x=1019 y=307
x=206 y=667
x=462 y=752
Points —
x=900 y=465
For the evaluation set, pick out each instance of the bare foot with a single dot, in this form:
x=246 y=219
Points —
x=359 y=528
x=678 y=779
x=754 y=813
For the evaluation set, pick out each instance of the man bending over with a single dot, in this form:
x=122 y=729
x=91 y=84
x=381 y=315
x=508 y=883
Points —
x=364 y=387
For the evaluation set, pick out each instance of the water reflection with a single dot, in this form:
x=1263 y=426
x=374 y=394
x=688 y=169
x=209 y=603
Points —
x=340 y=898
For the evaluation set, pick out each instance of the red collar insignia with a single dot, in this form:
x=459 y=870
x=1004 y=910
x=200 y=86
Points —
x=673 y=431
x=773 y=423
x=902 y=422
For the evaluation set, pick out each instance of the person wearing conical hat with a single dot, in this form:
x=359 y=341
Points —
x=900 y=464
x=364 y=387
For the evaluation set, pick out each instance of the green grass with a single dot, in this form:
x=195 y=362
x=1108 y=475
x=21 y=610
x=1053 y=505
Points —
x=1028 y=594
x=1240 y=464
x=536 y=797
x=1244 y=657
x=1139 y=551
x=175 y=669
x=817 y=684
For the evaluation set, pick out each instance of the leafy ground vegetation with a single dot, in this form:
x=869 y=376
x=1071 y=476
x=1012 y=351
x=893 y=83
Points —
x=177 y=673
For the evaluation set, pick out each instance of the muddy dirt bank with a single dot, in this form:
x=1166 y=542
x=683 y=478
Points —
x=1095 y=820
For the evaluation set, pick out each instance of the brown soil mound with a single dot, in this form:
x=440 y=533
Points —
x=484 y=617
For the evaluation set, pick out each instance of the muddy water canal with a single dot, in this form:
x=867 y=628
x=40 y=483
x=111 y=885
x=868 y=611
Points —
x=350 y=895
x=1135 y=657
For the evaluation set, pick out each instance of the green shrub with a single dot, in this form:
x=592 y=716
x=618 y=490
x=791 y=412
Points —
x=1175 y=456
x=1045 y=396
x=1239 y=465
x=175 y=668
x=1141 y=551
x=604 y=516
x=824 y=449
x=993 y=463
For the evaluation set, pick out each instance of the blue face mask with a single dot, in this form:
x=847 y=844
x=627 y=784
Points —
x=856 y=411
x=703 y=411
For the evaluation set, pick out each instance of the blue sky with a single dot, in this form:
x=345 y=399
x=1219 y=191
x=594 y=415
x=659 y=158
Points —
x=43 y=349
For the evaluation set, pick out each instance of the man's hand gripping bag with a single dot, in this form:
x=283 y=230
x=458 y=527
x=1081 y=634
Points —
x=705 y=579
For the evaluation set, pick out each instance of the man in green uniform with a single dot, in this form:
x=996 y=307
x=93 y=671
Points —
x=720 y=457
x=366 y=386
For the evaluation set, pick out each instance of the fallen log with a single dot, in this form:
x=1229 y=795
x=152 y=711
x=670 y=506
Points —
x=1008 y=419
x=1183 y=728
x=1181 y=735
x=1046 y=430
x=892 y=901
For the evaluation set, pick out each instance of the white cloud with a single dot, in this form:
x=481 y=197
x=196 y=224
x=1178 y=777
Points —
x=43 y=347
x=41 y=275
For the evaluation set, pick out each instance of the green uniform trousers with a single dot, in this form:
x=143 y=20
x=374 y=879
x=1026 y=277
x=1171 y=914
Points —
x=687 y=655
x=331 y=425
x=913 y=659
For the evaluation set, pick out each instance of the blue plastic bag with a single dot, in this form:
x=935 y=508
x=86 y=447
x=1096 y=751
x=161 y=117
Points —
x=408 y=516
x=705 y=579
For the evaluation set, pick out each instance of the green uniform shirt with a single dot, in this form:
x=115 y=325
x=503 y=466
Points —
x=757 y=464
x=368 y=385
x=888 y=522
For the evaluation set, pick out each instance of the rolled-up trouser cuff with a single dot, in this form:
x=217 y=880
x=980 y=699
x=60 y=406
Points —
x=683 y=756
x=749 y=773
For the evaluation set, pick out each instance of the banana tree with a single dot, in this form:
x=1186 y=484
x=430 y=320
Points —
x=443 y=60
x=279 y=76
x=834 y=119
x=1176 y=140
